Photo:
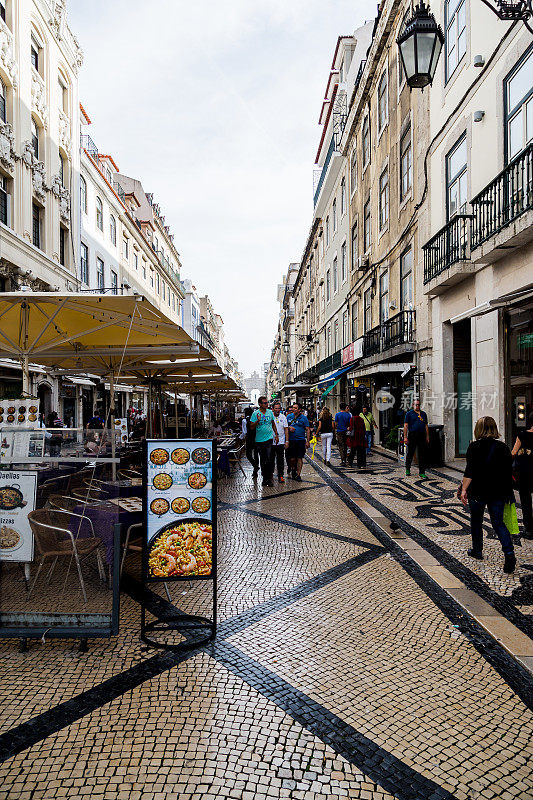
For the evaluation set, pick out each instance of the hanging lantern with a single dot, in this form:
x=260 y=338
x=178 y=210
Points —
x=420 y=44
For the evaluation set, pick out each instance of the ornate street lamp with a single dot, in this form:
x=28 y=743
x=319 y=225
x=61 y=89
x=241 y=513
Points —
x=286 y=346
x=420 y=44
x=511 y=10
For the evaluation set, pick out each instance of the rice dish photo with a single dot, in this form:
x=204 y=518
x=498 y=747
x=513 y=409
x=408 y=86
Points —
x=32 y=417
x=9 y=538
x=201 y=455
x=180 y=505
x=159 y=456
x=162 y=481
x=159 y=506
x=197 y=480
x=201 y=505
x=33 y=409
x=182 y=550
x=10 y=418
x=180 y=455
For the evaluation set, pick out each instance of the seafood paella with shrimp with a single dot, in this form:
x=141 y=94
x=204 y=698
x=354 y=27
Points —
x=182 y=550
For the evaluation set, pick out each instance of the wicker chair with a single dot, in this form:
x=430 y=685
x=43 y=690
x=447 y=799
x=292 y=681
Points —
x=89 y=496
x=54 y=539
x=63 y=503
x=128 y=474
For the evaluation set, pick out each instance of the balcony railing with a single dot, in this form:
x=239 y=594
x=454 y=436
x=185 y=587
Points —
x=359 y=75
x=372 y=342
x=399 y=329
x=508 y=196
x=88 y=145
x=329 y=154
x=329 y=363
x=449 y=246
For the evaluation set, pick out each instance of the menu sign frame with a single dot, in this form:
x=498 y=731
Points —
x=180 y=489
x=18 y=492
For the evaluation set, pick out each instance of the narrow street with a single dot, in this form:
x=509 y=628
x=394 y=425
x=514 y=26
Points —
x=346 y=663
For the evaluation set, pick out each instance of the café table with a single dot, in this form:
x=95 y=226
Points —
x=104 y=517
x=123 y=488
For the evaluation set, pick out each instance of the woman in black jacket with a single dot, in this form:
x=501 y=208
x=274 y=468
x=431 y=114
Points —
x=488 y=482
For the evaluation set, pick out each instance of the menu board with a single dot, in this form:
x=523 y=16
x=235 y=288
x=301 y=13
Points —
x=20 y=413
x=16 y=445
x=17 y=500
x=121 y=430
x=180 y=530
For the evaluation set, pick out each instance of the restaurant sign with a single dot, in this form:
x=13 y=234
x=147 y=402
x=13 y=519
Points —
x=352 y=352
x=17 y=500
x=180 y=509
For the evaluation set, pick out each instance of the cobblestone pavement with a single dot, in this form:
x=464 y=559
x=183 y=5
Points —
x=339 y=670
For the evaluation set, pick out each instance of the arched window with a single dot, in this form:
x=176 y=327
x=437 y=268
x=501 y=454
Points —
x=3 y=110
x=99 y=214
x=35 y=138
x=113 y=229
x=83 y=195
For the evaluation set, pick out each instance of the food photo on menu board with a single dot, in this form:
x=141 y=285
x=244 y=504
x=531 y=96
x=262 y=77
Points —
x=17 y=499
x=19 y=413
x=179 y=509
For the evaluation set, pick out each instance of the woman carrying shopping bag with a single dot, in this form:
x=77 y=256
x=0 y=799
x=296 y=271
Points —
x=325 y=431
x=488 y=483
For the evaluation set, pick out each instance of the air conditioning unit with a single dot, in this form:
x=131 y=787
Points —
x=363 y=262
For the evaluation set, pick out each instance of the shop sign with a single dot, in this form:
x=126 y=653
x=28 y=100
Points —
x=362 y=388
x=180 y=492
x=68 y=391
x=353 y=351
x=17 y=499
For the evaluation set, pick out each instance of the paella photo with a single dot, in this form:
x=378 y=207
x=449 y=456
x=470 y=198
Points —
x=182 y=550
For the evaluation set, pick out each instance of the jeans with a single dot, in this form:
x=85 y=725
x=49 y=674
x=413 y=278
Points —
x=251 y=455
x=341 y=444
x=278 y=459
x=416 y=441
x=327 y=439
x=368 y=435
x=495 y=508
x=265 y=459
x=361 y=456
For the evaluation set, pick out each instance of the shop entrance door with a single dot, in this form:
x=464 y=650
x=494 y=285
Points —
x=464 y=411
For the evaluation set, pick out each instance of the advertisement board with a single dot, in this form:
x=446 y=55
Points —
x=16 y=445
x=19 y=413
x=17 y=499
x=180 y=509
x=121 y=430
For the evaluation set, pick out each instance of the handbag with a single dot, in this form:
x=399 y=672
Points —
x=510 y=519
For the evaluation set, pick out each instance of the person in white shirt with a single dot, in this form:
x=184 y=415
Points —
x=278 y=450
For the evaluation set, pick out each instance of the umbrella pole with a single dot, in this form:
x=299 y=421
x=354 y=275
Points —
x=25 y=376
x=149 y=416
x=176 y=410
x=112 y=423
x=161 y=424
x=190 y=414
x=209 y=407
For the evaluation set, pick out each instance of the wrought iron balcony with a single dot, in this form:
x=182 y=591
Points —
x=399 y=329
x=324 y=171
x=88 y=145
x=449 y=246
x=506 y=197
x=372 y=342
x=329 y=363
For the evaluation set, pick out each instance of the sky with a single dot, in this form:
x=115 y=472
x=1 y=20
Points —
x=214 y=107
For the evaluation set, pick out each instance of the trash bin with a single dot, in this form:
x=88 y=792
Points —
x=435 y=451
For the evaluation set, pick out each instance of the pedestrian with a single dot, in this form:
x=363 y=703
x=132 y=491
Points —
x=298 y=440
x=262 y=421
x=251 y=449
x=416 y=434
x=325 y=431
x=357 y=440
x=340 y=425
x=370 y=424
x=96 y=423
x=278 y=450
x=523 y=469
x=488 y=483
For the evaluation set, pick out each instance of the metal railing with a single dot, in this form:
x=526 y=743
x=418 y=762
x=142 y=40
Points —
x=359 y=75
x=397 y=330
x=329 y=363
x=119 y=191
x=505 y=198
x=331 y=150
x=88 y=145
x=450 y=245
x=372 y=342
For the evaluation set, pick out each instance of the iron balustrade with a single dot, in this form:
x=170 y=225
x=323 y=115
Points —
x=372 y=342
x=397 y=330
x=505 y=198
x=449 y=246
x=88 y=145
x=329 y=154
x=359 y=75
x=329 y=363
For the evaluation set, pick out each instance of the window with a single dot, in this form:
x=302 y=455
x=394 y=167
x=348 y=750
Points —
x=61 y=169
x=99 y=214
x=365 y=140
x=3 y=109
x=4 y=201
x=334 y=214
x=35 y=55
x=113 y=230
x=456 y=178
x=36 y=226
x=406 y=279
x=354 y=321
x=355 y=253
x=406 y=164
x=84 y=263
x=328 y=286
x=83 y=195
x=455 y=15
x=383 y=103
x=328 y=341
x=383 y=199
x=151 y=277
x=335 y=276
x=114 y=282
x=345 y=329
x=62 y=245
x=327 y=231
x=157 y=283
x=343 y=262
x=368 y=309
x=35 y=138
x=366 y=227
x=343 y=196
x=126 y=248
x=519 y=106
x=100 y=279
x=384 y=297
x=63 y=96
x=135 y=259
x=353 y=171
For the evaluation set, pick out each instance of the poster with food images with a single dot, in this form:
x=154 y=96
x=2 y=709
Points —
x=17 y=500
x=121 y=430
x=179 y=509
x=19 y=413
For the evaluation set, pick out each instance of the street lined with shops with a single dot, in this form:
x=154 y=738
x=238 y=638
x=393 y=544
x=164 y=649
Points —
x=341 y=666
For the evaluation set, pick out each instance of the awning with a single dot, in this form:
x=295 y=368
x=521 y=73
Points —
x=323 y=382
x=120 y=387
x=8 y=363
x=379 y=368
x=79 y=381
x=509 y=299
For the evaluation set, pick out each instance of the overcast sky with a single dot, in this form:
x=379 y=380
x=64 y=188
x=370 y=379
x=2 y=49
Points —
x=214 y=107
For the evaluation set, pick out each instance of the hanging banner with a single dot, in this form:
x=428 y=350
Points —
x=17 y=499
x=180 y=509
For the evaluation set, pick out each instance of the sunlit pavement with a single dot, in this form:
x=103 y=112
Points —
x=342 y=667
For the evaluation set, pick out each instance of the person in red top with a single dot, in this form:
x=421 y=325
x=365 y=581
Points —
x=356 y=440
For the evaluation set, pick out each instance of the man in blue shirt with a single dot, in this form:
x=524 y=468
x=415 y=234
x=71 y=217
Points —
x=298 y=440
x=416 y=434
x=340 y=425
x=262 y=421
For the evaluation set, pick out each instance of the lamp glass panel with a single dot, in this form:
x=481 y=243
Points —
x=426 y=42
x=408 y=53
